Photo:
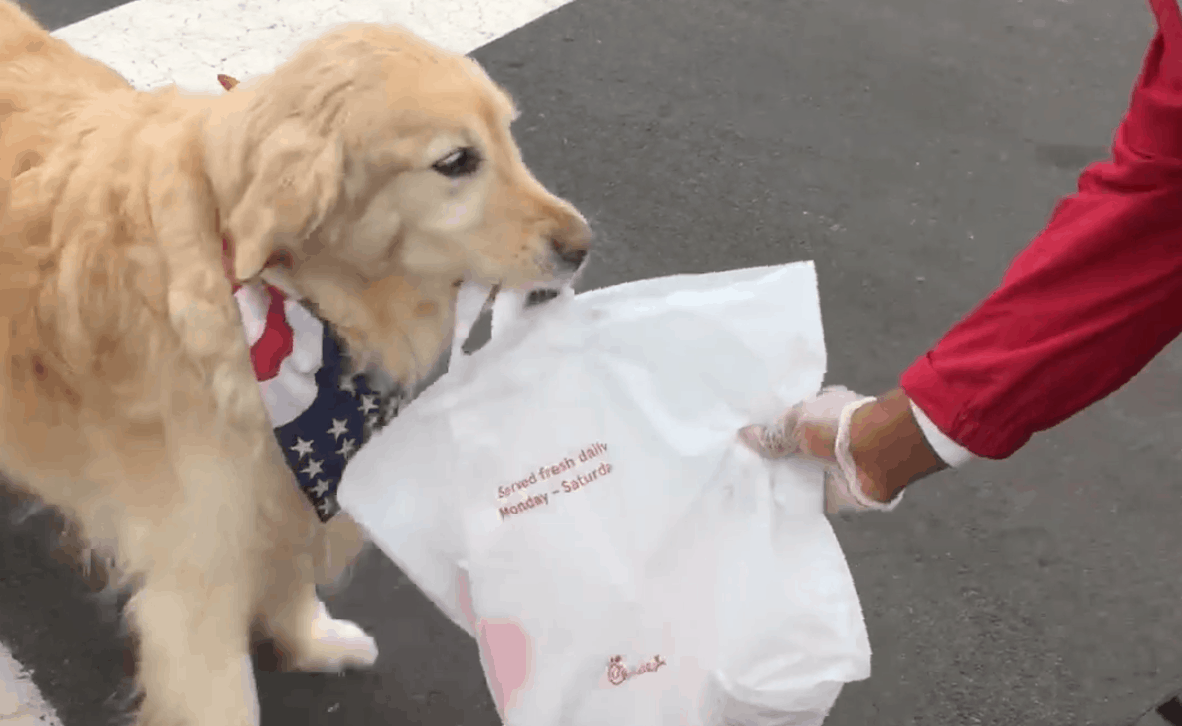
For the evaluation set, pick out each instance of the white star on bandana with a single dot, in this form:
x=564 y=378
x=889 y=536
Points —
x=339 y=428
x=303 y=448
x=313 y=468
x=336 y=410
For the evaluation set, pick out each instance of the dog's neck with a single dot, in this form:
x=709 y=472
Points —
x=227 y=257
x=380 y=381
x=227 y=253
x=226 y=150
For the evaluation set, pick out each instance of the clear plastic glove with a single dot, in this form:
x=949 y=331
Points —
x=818 y=429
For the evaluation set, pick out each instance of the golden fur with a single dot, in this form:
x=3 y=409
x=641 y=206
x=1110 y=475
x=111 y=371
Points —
x=127 y=397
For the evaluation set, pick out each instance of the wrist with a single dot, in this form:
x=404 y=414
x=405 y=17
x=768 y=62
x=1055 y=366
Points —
x=888 y=448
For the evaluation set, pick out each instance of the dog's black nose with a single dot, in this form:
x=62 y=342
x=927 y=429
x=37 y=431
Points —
x=571 y=255
x=571 y=241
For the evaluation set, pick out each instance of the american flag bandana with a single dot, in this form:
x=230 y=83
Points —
x=322 y=410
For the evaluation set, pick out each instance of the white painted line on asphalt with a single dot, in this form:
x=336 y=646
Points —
x=157 y=42
x=20 y=701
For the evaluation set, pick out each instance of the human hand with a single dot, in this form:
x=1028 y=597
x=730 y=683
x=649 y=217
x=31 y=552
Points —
x=818 y=429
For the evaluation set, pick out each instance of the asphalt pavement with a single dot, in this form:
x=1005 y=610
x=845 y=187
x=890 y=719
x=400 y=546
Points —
x=910 y=148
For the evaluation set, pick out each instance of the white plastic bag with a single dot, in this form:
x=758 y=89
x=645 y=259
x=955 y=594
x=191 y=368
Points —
x=574 y=496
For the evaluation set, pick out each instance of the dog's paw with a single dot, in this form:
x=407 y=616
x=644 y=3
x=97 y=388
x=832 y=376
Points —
x=337 y=645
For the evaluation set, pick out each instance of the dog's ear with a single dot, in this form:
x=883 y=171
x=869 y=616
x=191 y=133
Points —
x=228 y=82
x=295 y=182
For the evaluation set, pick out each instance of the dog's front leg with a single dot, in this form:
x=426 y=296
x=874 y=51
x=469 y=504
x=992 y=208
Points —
x=305 y=636
x=194 y=660
x=201 y=552
x=194 y=608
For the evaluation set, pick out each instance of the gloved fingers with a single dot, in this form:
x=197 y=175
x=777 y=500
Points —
x=810 y=429
x=806 y=429
x=775 y=441
x=828 y=403
x=792 y=435
x=816 y=438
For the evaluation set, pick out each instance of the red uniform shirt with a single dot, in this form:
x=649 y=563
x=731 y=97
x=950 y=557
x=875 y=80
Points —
x=1091 y=300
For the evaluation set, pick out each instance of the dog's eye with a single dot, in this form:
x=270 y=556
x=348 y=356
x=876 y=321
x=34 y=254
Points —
x=460 y=162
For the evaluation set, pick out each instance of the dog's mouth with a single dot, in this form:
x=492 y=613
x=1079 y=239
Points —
x=535 y=295
x=540 y=296
x=540 y=293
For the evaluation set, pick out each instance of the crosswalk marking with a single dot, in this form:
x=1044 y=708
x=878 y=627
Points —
x=157 y=42
x=20 y=701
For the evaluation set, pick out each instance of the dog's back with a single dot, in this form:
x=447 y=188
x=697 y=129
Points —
x=27 y=46
x=18 y=31
x=72 y=323
x=43 y=81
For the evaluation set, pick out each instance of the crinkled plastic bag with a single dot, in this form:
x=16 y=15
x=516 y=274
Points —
x=575 y=497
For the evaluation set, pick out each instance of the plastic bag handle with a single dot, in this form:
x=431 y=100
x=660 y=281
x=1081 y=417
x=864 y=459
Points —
x=507 y=307
x=472 y=300
x=470 y=303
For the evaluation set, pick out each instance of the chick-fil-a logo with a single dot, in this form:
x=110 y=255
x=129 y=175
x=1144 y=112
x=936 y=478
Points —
x=617 y=671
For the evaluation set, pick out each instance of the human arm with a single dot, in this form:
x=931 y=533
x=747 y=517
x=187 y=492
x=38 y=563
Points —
x=1093 y=298
x=884 y=447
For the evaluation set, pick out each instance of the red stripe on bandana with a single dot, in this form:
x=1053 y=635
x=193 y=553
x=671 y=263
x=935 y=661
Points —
x=277 y=341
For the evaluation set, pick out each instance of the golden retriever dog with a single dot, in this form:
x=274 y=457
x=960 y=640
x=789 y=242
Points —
x=368 y=176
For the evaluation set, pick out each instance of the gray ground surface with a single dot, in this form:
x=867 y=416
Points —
x=910 y=147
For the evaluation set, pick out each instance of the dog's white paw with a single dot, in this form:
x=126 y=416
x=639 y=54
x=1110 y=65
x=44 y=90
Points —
x=337 y=645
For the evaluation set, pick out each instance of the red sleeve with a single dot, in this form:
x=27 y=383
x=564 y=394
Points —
x=1091 y=300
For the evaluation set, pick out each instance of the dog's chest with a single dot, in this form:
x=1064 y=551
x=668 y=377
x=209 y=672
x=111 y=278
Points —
x=322 y=411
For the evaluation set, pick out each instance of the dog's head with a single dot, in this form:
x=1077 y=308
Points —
x=370 y=175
